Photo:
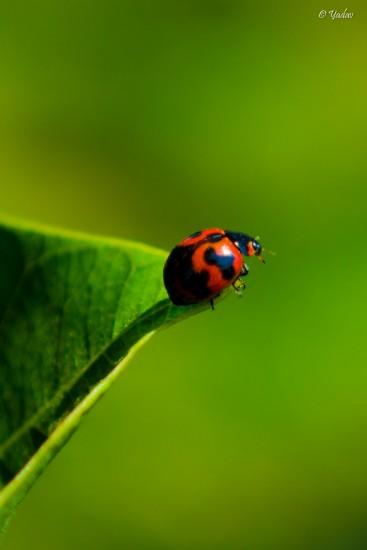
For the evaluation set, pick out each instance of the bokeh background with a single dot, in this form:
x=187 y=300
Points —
x=239 y=429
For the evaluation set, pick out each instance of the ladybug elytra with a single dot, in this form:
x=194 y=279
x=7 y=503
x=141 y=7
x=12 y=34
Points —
x=201 y=266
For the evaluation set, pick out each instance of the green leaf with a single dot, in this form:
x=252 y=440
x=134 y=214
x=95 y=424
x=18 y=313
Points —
x=73 y=310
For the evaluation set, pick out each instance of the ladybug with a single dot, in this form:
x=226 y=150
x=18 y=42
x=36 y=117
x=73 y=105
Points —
x=201 y=266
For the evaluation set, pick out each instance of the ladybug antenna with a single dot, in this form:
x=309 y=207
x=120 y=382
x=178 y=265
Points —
x=269 y=252
x=261 y=258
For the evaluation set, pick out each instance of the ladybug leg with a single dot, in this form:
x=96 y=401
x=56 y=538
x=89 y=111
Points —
x=238 y=286
x=244 y=270
x=212 y=301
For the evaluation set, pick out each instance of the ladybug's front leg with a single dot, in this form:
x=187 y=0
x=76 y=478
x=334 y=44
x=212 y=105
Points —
x=244 y=270
x=211 y=301
x=238 y=284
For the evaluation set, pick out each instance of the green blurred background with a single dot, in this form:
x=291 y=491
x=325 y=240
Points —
x=239 y=429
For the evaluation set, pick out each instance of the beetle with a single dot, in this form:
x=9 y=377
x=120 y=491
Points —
x=201 y=266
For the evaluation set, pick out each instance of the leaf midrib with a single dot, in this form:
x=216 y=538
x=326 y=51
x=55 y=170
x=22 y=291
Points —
x=68 y=387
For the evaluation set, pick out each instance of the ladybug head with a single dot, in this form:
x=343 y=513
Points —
x=254 y=248
x=246 y=244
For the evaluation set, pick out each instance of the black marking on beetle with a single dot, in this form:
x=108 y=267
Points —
x=197 y=283
x=225 y=263
x=184 y=285
x=215 y=237
x=228 y=273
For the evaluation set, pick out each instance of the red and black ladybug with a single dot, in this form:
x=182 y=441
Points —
x=207 y=262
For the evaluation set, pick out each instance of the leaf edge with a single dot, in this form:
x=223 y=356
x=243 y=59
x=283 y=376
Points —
x=17 y=489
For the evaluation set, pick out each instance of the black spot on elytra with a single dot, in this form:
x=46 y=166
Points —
x=196 y=234
x=228 y=273
x=215 y=237
x=224 y=262
x=184 y=285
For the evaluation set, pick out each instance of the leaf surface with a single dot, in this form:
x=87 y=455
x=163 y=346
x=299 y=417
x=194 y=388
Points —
x=73 y=309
